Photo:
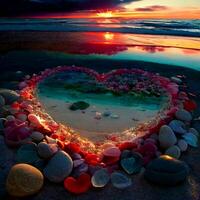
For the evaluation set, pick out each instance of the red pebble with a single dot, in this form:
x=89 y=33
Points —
x=127 y=145
x=91 y=159
x=108 y=160
x=72 y=147
x=190 y=105
x=78 y=186
x=148 y=149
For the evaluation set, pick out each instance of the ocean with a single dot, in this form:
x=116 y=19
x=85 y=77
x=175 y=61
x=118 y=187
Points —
x=156 y=27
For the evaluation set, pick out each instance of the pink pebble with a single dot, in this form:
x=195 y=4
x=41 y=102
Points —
x=112 y=152
x=34 y=119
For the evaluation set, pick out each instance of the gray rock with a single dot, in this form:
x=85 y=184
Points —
x=166 y=170
x=166 y=137
x=37 y=136
x=100 y=178
x=59 y=167
x=176 y=80
x=46 y=150
x=120 y=180
x=178 y=126
x=10 y=96
x=173 y=151
x=194 y=131
x=27 y=153
x=182 y=144
x=191 y=139
x=183 y=115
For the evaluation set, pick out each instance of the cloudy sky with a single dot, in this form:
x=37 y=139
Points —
x=87 y=8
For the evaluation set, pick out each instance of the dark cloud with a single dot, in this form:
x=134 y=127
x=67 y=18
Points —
x=151 y=8
x=20 y=7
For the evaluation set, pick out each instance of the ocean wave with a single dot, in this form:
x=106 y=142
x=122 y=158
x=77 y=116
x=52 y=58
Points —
x=155 y=27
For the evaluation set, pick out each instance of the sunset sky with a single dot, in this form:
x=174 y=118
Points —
x=181 y=9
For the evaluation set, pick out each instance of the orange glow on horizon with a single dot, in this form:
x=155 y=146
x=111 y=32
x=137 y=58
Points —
x=107 y=14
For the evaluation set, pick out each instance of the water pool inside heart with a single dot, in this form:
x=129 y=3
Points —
x=102 y=111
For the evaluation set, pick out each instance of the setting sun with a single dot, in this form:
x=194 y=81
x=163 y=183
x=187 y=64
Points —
x=107 y=14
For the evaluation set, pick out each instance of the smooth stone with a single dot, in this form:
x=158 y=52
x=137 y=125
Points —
x=106 y=113
x=131 y=162
x=173 y=151
x=120 y=180
x=113 y=116
x=100 y=178
x=182 y=144
x=59 y=167
x=98 y=115
x=112 y=152
x=79 y=105
x=128 y=165
x=80 y=169
x=194 y=131
x=10 y=118
x=37 y=136
x=166 y=137
x=27 y=153
x=10 y=96
x=178 y=126
x=176 y=80
x=191 y=139
x=2 y=101
x=76 y=163
x=166 y=170
x=24 y=180
x=183 y=115
x=46 y=150
x=22 y=117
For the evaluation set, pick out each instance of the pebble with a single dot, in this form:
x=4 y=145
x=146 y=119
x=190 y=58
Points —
x=100 y=178
x=176 y=80
x=173 y=151
x=24 y=180
x=166 y=170
x=77 y=163
x=2 y=101
x=113 y=116
x=178 y=126
x=80 y=169
x=59 y=167
x=10 y=96
x=183 y=115
x=46 y=150
x=191 y=139
x=37 y=136
x=194 y=131
x=78 y=186
x=120 y=180
x=128 y=164
x=22 y=117
x=27 y=153
x=166 y=137
x=98 y=115
x=106 y=113
x=10 y=118
x=112 y=152
x=182 y=144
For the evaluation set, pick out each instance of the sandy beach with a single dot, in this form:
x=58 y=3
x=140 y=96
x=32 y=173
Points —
x=84 y=122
